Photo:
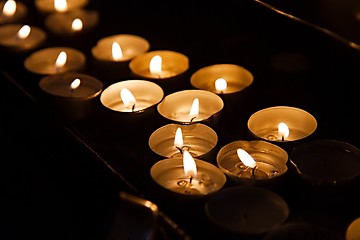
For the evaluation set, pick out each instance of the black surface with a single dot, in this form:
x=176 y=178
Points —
x=72 y=195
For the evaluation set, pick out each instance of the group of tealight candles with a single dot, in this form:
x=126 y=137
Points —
x=183 y=142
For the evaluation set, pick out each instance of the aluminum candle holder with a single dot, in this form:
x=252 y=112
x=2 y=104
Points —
x=326 y=162
x=269 y=158
x=43 y=62
x=169 y=174
x=62 y=24
x=14 y=38
x=70 y=101
x=177 y=107
x=236 y=78
x=198 y=139
x=247 y=211
x=12 y=11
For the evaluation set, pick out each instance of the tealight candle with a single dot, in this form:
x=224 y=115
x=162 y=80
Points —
x=222 y=78
x=353 y=230
x=113 y=53
x=326 y=162
x=245 y=210
x=252 y=162
x=12 y=11
x=190 y=106
x=131 y=96
x=55 y=60
x=188 y=176
x=172 y=139
x=72 y=23
x=72 y=94
x=160 y=65
x=21 y=37
x=49 y=6
x=282 y=125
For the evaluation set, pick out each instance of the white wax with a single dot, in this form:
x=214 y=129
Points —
x=9 y=37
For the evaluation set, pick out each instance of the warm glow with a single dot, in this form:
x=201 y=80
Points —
x=116 y=52
x=189 y=165
x=24 y=32
x=75 y=84
x=9 y=8
x=60 y=5
x=194 y=110
x=220 y=84
x=127 y=97
x=283 y=130
x=77 y=25
x=156 y=64
x=61 y=60
x=178 y=142
x=246 y=158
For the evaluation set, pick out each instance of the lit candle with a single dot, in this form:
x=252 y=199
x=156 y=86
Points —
x=51 y=6
x=326 y=162
x=21 y=37
x=282 y=125
x=353 y=230
x=185 y=106
x=159 y=64
x=72 y=23
x=72 y=95
x=222 y=78
x=12 y=11
x=119 y=48
x=248 y=211
x=172 y=139
x=131 y=96
x=188 y=176
x=252 y=161
x=55 y=60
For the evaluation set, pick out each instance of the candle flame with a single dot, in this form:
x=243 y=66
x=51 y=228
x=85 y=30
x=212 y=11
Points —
x=194 y=110
x=178 y=142
x=220 y=84
x=127 y=97
x=283 y=130
x=156 y=64
x=246 y=158
x=9 y=8
x=75 y=84
x=116 y=52
x=24 y=32
x=189 y=165
x=77 y=25
x=61 y=5
x=61 y=60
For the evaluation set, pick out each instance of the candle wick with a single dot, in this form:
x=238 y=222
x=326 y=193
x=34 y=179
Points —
x=282 y=137
x=253 y=171
x=133 y=108
x=180 y=150
x=191 y=177
x=192 y=119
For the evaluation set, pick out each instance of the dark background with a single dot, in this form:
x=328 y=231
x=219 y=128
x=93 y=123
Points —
x=52 y=187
